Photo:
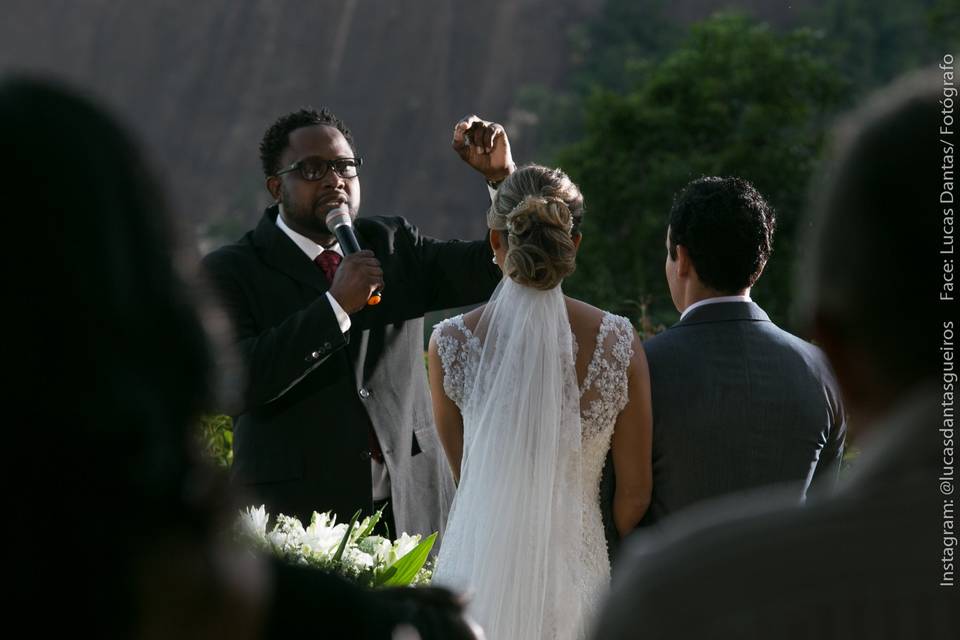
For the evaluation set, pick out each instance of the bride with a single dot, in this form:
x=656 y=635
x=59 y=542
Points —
x=530 y=392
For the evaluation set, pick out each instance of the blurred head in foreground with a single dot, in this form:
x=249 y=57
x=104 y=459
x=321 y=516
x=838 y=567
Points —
x=114 y=362
x=871 y=282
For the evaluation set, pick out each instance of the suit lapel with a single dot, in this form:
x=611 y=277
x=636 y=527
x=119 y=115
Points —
x=362 y=239
x=280 y=252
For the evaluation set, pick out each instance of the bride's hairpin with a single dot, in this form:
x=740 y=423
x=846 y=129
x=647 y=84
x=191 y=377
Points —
x=520 y=217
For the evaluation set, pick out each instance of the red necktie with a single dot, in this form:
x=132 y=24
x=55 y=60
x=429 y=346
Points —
x=328 y=261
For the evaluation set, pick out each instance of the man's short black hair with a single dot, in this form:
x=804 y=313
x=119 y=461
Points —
x=277 y=137
x=727 y=228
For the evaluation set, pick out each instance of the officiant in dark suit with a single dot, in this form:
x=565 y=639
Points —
x=137 y=359
x=336 y=412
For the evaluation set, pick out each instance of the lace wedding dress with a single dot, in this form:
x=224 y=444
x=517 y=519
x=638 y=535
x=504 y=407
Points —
x=525 y=537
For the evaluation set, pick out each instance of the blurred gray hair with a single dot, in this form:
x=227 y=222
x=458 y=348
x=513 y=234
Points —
x=871 y=269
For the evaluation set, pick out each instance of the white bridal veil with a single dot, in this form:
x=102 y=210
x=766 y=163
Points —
x=516 y=518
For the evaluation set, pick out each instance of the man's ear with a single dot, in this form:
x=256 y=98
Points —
x=684 y=264
x=273 y=186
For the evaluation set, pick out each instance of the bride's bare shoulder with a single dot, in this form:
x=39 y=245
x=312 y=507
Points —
x=472 y=318
x=583 y=317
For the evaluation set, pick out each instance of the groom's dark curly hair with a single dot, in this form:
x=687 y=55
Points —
x=277 y=137
x=727 y=228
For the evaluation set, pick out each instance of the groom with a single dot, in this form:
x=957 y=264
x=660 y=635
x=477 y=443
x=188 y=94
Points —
x=336 y=413
x=737 y=402
x=875 y=559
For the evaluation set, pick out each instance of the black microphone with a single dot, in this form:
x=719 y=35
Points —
x=341 y=225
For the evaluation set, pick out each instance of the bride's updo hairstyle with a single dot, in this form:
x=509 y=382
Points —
x=539 y=210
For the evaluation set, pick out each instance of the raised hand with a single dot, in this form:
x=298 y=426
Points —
x=358 y=275
x=484 y=146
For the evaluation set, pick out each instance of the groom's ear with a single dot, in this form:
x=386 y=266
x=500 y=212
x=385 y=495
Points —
x=684 y=264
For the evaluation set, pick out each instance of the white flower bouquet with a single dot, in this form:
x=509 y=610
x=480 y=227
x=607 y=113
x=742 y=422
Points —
x=346 y=549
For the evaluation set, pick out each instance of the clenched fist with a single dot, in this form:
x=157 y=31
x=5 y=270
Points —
x=484 y=146
x=358 y=275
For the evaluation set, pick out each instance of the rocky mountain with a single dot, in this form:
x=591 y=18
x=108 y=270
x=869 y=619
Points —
x=200 y=81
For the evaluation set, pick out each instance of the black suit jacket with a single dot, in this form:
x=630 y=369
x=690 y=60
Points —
x=738 y=403
x=301 y=436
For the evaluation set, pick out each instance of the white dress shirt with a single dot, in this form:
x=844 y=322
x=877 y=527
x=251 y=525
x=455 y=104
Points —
x=706 y=301
x=312 y=249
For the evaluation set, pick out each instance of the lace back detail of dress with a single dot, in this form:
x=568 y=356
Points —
x=458 y=349
x=603 y=392
x=603 y=395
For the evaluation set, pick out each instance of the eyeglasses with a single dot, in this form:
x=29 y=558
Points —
x=313 y=168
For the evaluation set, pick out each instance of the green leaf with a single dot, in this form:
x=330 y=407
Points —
x=346 y=537
x=403 y=571
x=381 y=578
x=374 y=519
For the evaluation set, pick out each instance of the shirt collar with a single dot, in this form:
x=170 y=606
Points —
x=308 y=246
x=705 y=301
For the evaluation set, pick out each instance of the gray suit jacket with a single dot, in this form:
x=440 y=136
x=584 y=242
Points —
x=866 y=562
x=738 y=403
